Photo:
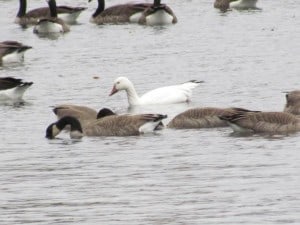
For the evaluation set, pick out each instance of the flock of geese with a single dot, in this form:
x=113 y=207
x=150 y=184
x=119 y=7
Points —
x=83 y=121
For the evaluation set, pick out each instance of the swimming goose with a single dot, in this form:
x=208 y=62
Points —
x=12 y=52
x=263 y=122
x=204 y=117
x=122 y=13
x=51 y=24
x=114 y=125
x=223 y=5
x=66 y=13
x=164 y=95
x=292 y=102
x=12 y=89
x=158 y=14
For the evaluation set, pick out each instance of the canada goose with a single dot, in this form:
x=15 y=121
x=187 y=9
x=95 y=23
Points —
x=114 y=125
x=67 y=13
x=122 y=13
x=12 y=89
x=204 y=117
x=263 y=122
x=164 y=95
x=51 y=24
x=223 y=5
x=158 y=14
x=292 y=102
x=12 y=52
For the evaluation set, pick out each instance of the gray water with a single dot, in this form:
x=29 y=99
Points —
x=208 y=176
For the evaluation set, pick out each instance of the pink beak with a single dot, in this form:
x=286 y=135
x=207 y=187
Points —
x=113 y=91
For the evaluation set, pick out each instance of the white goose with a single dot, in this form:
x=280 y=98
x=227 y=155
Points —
x=164 y=95
x=12 y=89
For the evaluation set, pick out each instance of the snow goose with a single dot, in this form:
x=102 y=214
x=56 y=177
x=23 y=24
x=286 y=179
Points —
x=51 y=24
x=122 y=13
x=158 y=14
x=202 y=117
x=223 y=5
x=12 y=52
x=164 y=95
x=67 y=13
x=12 y=89
x=292 y=102
x=114 y=125
x=263 y=122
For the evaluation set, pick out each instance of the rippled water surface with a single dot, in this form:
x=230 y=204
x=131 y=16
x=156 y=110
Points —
x=209 y=176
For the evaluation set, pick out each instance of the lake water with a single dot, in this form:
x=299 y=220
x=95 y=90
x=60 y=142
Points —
x=208 y=176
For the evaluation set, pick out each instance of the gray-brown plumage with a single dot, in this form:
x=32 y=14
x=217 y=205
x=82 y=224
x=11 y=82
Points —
x=223 y=5
x=113 y=125
x=121 y=13
x=266 y=122
x=83 y=113
x=12 y=48
x=204 y=117
x=32 y=17
x=293 y=102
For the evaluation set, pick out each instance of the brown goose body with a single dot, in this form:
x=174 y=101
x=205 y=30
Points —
x=118 y=13
x=83 y=113
x=112 y=125
x=32 y=17
x=293 y=102
x=263 y=122
x=204 y=117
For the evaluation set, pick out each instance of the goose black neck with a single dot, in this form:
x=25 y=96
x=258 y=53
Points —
x=22 y=8
x=100 y=8
x=156 y=3
x=52 y=7
x=69 y=120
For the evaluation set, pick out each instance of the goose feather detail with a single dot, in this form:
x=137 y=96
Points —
x=263 y=122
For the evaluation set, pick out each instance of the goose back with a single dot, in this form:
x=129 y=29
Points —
x=266 y=122
x=202 y=117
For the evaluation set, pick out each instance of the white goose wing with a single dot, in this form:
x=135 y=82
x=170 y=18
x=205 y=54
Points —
x=170 y=94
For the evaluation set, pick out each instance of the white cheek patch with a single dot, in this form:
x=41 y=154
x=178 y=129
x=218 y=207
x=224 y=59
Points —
x=55 y=131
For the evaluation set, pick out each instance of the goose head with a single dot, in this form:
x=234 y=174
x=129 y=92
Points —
x=121 y=83
x=55 y=128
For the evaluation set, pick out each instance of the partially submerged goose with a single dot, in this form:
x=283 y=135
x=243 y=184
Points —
x=158 y=14
x=122 y=13
x=114 y=125
x=263 y=122
x=12 y=52
x=292 y=102
x=67 y=13
x=223 y=5
x=204 y=117
x=12 y=89
x=51 y=24
x=164 y=95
